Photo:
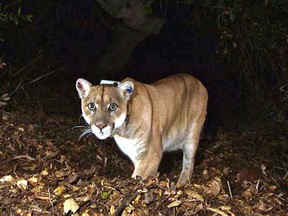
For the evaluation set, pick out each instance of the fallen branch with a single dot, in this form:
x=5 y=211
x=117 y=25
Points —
x=124 y=203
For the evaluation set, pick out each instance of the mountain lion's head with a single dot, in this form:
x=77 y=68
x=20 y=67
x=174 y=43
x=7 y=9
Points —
x=104 y=107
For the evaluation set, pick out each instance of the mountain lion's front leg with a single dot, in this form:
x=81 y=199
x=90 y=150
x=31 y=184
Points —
x=148 y=164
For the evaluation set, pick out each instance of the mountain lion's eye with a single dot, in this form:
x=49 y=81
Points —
x=91 y=106
x=113 y=106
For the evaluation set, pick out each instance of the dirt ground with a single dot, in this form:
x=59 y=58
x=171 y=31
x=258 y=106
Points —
x=46 y=170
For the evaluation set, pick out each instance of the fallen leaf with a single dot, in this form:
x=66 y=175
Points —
x=175 y=203
x=19 y=211
x=70 y=205
x=248 y=192
x=45 y=172
x=61 y=173
x=195 y=195
x=105 y=195
x=130 y=209
x=2 y=103
x=21 y=129
x=198 y=208
x=262 y=207
x=33 y=180
x=215 y=187
x=7 y=178
x=83 y=198
x=60 y=190
x=22 y=184
x=112 y=210
x=226 y=170
x=37 y=189
x=272 y=187
x=217 y=211
x=190 y=204
x=148 y=197
x=73 y=178
x=137 y=199
x=248 y=174
x=225 y=208
x=149 y=181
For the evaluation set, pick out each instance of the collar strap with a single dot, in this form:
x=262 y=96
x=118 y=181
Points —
x=109 y=82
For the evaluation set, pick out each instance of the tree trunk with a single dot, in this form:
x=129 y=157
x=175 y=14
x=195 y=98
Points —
x=133 y=25
x=117 y=53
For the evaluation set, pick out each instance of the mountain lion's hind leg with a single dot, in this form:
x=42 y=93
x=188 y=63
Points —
x=189 y=152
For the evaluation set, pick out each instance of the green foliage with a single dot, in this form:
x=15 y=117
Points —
x=253 y=44
x=10 y=14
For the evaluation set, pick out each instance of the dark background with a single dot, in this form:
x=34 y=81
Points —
x=236 y=49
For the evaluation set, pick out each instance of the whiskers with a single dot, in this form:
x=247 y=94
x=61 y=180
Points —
x=86 y=131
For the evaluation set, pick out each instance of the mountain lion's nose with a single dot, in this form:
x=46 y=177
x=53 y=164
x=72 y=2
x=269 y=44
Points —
x=101 y=126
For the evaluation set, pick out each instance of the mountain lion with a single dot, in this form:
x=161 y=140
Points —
x=146 y=120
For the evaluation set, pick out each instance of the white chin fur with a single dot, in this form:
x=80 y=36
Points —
x=102 y=136
x=105 y=133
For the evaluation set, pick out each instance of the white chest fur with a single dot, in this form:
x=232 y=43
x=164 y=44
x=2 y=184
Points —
x=130 y=147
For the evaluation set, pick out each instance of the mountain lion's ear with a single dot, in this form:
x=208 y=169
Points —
x=82 y=86
x=127 y=87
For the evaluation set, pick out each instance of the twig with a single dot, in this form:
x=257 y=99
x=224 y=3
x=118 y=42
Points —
x=229 y=188
x=49 y=195
x=286 y=175
x=16 y=88
x=47 y=157
x=44 y=75
x=124 y=203
x=275 y=182
x=163 y=200
x=83 y=205
x=257 y=185
x=23 y=156
x=18 y=157
x=284 y=91
x=12 y=4
x=31 y=63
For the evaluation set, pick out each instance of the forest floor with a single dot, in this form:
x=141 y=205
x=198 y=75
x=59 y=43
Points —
x=45 y=170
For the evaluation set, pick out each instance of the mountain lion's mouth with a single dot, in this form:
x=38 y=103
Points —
x=102 y=133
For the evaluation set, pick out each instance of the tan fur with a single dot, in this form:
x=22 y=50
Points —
x=164 y=116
